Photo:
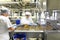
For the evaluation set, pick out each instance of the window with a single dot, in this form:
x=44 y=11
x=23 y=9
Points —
x=20 y=13
x=20 y=0
x=14 y=0
x=34 y=0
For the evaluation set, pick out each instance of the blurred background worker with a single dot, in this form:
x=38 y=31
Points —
x=27 y=19
x=4 y=29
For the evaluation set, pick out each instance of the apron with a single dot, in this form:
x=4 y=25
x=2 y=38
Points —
x=4 y=36
x=3 y=31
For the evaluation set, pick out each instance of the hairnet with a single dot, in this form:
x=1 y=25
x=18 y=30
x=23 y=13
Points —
x=4 y=10
x=27 y=13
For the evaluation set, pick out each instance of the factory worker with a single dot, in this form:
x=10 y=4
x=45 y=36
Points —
x=6 y=25
x=42 y=20
x=27 y=19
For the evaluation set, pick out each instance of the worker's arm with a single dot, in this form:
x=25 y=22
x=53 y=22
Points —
x=9 y=25
x=31 y=21
x=11 y=29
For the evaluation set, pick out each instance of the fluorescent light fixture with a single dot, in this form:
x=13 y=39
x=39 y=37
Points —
x=44 y=3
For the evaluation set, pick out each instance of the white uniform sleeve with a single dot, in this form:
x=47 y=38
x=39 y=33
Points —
x=31 y=21
x=8 y=23
x=23 y=21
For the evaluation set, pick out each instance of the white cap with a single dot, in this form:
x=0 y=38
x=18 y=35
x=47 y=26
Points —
x=27 y=13
x=6 y=9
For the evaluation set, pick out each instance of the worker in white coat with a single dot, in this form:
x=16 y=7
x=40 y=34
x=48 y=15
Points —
x=4 y=35
x=27 y=19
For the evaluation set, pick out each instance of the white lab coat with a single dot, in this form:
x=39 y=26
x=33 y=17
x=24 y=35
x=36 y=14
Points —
x=28 y=21
x=5 y=35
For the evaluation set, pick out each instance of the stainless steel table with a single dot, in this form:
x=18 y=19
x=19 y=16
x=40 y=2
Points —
x=32 y=33
x=53 y=35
